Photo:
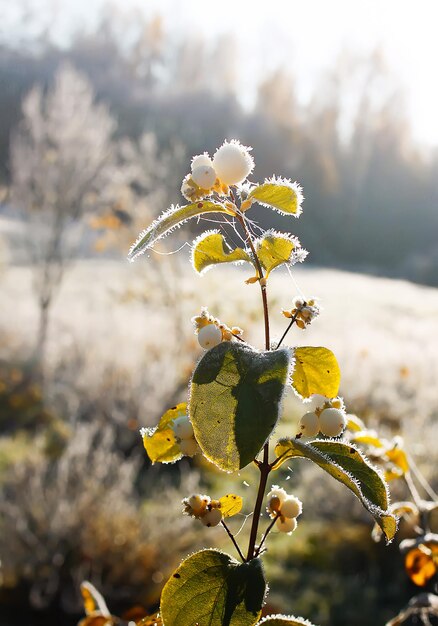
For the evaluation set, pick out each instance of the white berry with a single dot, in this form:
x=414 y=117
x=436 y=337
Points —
x=286 y=524
x=198 y=503
x=189 y=447
x=209 y=336
x=233 y=162
x=309 y=425
x=204 y=176
x=332 y=422
x=291 y=507
x=183 y=428
x=316 y=401
x=201 y=159
x=277 y=492
x=212 y=518
x=188 y=188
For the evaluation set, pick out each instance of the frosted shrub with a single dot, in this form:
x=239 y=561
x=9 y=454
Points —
x=235 y=401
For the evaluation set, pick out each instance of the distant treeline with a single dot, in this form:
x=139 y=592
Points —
x=371 y=194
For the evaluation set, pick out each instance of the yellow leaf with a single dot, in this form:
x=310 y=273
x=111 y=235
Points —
x=230 y=505
x=399 y=458
x=160 y=442
x=280 y=194
x=93 y=600
x=274 y=249
x=211 y=249
x=368 y=437
x=316 y=371
x=169 y=220
x=421 y=563
x=354 y=423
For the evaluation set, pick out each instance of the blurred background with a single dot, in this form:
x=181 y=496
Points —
x=102 y=106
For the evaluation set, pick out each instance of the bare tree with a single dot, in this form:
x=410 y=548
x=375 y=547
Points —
x=60 y=157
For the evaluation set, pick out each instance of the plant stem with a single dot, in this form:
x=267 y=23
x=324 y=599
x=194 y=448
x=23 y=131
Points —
x=413 y=490
x=241 y=219
x=264 y=473
x=422 y=480
x=233 y=539
x=264 y=466
x=286 y=331
x=266 y=533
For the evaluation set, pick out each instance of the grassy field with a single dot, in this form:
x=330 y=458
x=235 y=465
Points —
x=121 y=349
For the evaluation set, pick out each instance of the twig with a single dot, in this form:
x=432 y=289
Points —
x=266 y=533
x=231 y=536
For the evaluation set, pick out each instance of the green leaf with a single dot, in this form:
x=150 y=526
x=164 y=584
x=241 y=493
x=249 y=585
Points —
x=160 y=442
x=235 y=401
x=210 y=248
x=210 y=588
x=284 y=620
x=170 y=219
x=316 y=371
x=345 y=462
x=280 y=194
x=274 y=249
x=230 y=505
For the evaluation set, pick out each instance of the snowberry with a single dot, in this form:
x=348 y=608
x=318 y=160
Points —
x=201 y=160
x=309 y=425
x=212 y=518
x=332 y=422
x=274 y=505
x=209 y=336
x=183 y=428
x=197 y=504
x=233 y=162
x=291 y=507
x=317 y=401
x=276 y=497
x=286 y=524
x=204 y=176
x=189 y=447
x=188 y=188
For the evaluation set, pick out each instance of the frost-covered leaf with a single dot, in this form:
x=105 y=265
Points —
x=284 y=620
x=399 y=458
x=280 y=194
x=347 y=464
x=210 y=588
x=160 y=442
x=170 y=219
x=93 y=600
x=210 y=249
x=316 y=371
x=274 y=249
x=421 y=562
x=230 y=505
x=235 y=401
x=354 y=423
x=367 y=437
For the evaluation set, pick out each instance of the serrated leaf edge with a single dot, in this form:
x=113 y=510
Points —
x=204 y=235
x=375 y=510
x=286 y=182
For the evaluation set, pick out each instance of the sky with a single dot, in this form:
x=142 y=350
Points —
x=307 y=37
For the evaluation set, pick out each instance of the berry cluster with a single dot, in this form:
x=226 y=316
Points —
x=231 y=165
x=284 y=509
x=329 y=419
x=204 y=509
x=303 y=311
x=211 y=331
x=185 y=436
